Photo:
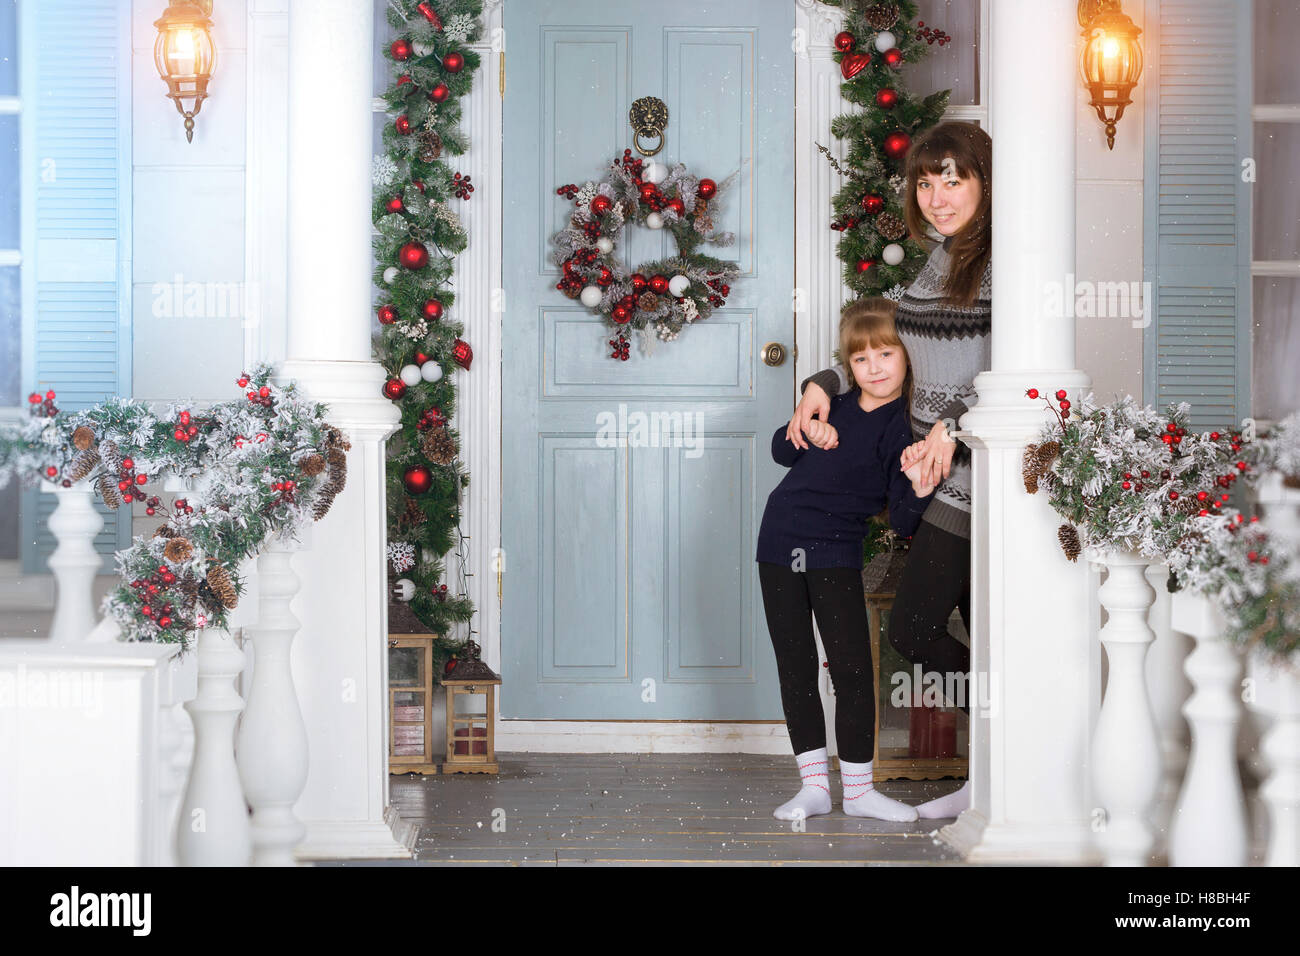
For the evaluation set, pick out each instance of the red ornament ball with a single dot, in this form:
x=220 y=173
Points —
x=417 y=480
x=395 y=204
x=887 y=98
x=844 y=41
x=394 y=388
x=453 y=63
x=677 y=206
x=462 y=353
x=865 y=264
x=439 y=93
x=431 y=310
x=708 y=189
x=600 y=205
x=897 y=144
x=387 y=315
x=658 y=284
x=894 y=56
x=872 y=203
x=638 y=283
x=400 y=49
x=402 y=124
x=413 y=255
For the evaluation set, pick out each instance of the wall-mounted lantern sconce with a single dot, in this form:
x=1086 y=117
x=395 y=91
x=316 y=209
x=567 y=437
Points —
x=1111 y=60
x=185 y=55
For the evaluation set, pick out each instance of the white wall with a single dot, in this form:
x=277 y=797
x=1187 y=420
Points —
x=188 y=215
x=1108 y=233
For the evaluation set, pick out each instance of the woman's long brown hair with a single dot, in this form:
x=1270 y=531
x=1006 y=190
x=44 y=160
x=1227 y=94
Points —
x=971 y=150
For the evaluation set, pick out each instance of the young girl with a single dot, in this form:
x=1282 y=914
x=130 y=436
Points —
x=810 y=559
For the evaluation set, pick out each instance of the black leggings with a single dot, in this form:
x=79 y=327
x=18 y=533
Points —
x=835 y=596
x=936 y=578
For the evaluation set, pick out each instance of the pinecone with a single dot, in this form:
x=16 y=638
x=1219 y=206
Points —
x=430 y=146
x=177 y=549
x=162 y=531
x=1047 y=453
x=881 y=16
x=1069 y=538
x=323 y=502
x=111 y=457
x=701 y=206
x=1029 y=469
x=438 y=446
x=108 y=491
x=649 y=302
x=890 y=226
x=413 y=515
x=312 y=465
x=83 y=464
x=83 y=438
x=224 y=589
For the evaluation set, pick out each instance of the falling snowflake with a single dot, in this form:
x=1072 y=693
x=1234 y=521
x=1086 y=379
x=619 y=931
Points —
x=459 y=28
x=897 y=183
x=401 y=555
x=896 y=293
x=382 y=170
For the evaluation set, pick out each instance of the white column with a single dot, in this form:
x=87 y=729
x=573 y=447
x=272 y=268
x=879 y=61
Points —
x=1168 y=688
x=75 y=562
x=1031 y=606
x=340 y=665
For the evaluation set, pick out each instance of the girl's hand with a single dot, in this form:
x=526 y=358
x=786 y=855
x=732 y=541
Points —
x=815 y=401
x=936 y=455
x=914 y=473
x=911 y=454
x=823 y=435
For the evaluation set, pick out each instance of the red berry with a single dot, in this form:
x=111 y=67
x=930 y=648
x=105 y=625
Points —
x=141 y=479
x=1128 y=474
x=1126 y=485
x=149 y=511
x=127 y=464
x=185 y=418
x=51 y=471
x=128 y=498
x=179 y=435
x=1173 y=496
x=164 y=621
x=1202 y=495
x=123 y=485
x=264 y=391
x=34 y=398
x=192 y=430
x=1171 y=428
x=1263 y=559
x=1252 y=555
x=1214 y=436
x=147 y=611
x=1062 y=393
x=49 y=396
x=1202 y=513
x=66 y=483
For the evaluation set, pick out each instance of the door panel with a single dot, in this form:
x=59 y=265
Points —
x=631 y=589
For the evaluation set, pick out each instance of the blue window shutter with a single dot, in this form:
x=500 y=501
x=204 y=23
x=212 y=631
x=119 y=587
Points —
x=1196 y=244
x=76 y=100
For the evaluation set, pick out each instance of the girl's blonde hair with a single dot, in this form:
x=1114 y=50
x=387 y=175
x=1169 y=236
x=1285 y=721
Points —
x=868 y=323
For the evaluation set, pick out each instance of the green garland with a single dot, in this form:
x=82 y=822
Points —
x=419 y=235
x=259 y=466
x=870 y=168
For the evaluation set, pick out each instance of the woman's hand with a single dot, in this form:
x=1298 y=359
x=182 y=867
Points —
x=936 y=455
x=815 y=402
x=913 y=472
x=823 y=435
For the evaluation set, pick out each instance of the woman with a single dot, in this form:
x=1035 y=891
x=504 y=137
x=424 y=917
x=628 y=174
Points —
x=944 y=321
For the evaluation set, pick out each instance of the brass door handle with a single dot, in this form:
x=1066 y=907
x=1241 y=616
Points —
x=773 y=354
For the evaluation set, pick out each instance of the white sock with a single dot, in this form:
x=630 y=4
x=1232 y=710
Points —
x=814 y=797
x=862 y=799
x=941 y=808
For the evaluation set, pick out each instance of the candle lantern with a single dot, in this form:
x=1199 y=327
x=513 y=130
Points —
x=471 y=743
x=1110 y=61
x=185 y=55
x=410 y=704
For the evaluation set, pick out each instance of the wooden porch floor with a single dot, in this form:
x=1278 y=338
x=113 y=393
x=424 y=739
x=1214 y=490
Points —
x=661 y=809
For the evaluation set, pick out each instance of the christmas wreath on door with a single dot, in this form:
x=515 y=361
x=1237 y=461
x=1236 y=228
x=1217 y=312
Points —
x=657 y=298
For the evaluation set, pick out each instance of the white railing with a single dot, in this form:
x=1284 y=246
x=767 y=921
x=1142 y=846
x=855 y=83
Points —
x=183 y=796
x=1172 y=794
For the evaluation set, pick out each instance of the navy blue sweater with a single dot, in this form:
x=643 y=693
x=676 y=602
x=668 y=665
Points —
x=823 y=503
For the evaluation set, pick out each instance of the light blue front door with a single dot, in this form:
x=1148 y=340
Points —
x=631 y=590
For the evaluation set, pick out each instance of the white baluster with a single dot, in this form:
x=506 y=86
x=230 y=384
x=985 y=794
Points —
x=1209 y=826
x=1277 y=695
x=272 y=735
x=1168 y=687
x=213 y=828
x=74 y=524
x=175 y=749
x=1126 y=753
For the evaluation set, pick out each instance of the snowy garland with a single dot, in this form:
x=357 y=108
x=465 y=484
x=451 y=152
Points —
x=659 y=297
x=1126 y=477
x=260 y=466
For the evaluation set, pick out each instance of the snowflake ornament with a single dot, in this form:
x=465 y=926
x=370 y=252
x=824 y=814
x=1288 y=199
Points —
x=382 y=171
x=459 y=27
x=401 y=555
x=414 y=330
x=896 y=293
x=897 y=183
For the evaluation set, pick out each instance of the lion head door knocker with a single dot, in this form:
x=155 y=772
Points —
x=648 y=117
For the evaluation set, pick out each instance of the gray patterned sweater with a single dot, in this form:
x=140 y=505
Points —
x=948 y=346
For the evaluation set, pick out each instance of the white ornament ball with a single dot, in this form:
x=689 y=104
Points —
x=421 y=49
x=390 y=274
x=653 y=172
x=431 y=371
x=410 y=374
x=885 y=41
x=677 y=285
x=591 y=296
x=654 y=221
x=605 y=245
x=404 y=589
x=893 y=254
